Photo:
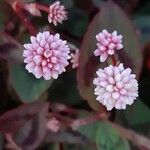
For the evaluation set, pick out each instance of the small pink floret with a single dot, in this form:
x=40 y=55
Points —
x=46 y=56
x=107 y=43
x=75 y=58
x=115 y=87
x=57 y=13
x=53 y=125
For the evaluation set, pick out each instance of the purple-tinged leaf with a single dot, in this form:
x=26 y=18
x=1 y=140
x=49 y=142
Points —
x=10 y=49
x=13 y=120
x=32 y=134
x=10 y=52
x=67 y=136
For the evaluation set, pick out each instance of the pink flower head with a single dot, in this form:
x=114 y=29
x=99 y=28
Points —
x=32 y=9
x=57 y=13
x=46 y=56
x=115 y=87
x=53 y=125
x=107 y=44
x=75 y=58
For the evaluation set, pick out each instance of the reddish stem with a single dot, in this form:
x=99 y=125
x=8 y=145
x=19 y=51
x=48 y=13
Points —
x=61 y=147
x=27 y=23
x=63 y=108
x=114 y=61
x=11 y=142
x=81 y=122
x=42 y=7
x=17 y=7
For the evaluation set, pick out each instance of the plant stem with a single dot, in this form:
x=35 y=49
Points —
x=42 y=7
x=129 y=134
x=81 y=122
x=57 y=107
x=17 y=7
x=114 y=61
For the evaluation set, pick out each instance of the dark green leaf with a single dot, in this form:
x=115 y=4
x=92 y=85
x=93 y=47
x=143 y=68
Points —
x=79 y=147
x=26 y=85
x=69 y=93
x=98 y=2
x=77 y=22
x=143 y=27
x=68 y=136
x=138 y=113
x=107 y=138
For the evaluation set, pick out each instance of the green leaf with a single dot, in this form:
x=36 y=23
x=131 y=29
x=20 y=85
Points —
x=79 y=147
x=91 y=128
x=105 y=137
x=102 y=134
x=108 y=138
x=143 y=27
x=67 y=3
x=110 y=17
x=28 y=88
x=98 y=2
x=67 y=136
x=69 y=94
x=138 y=113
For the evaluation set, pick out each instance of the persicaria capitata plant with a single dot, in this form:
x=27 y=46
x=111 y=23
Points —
x=73 y=75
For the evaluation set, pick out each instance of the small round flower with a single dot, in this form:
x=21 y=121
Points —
x=46 y=56
x=53 y=125
x=107 y=44
x=115 y=87
x=75 y=58
x=57 y=13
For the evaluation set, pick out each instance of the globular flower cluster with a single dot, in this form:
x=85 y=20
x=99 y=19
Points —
x=75 y=58
x=46 y=56
x=57 y=13
x=107 y=44
x=115 y=87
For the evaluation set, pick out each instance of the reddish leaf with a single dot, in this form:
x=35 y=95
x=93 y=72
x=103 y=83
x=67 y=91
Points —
x=10 y=49
x=10 y=52
x=34 y=131
x=13 y=120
